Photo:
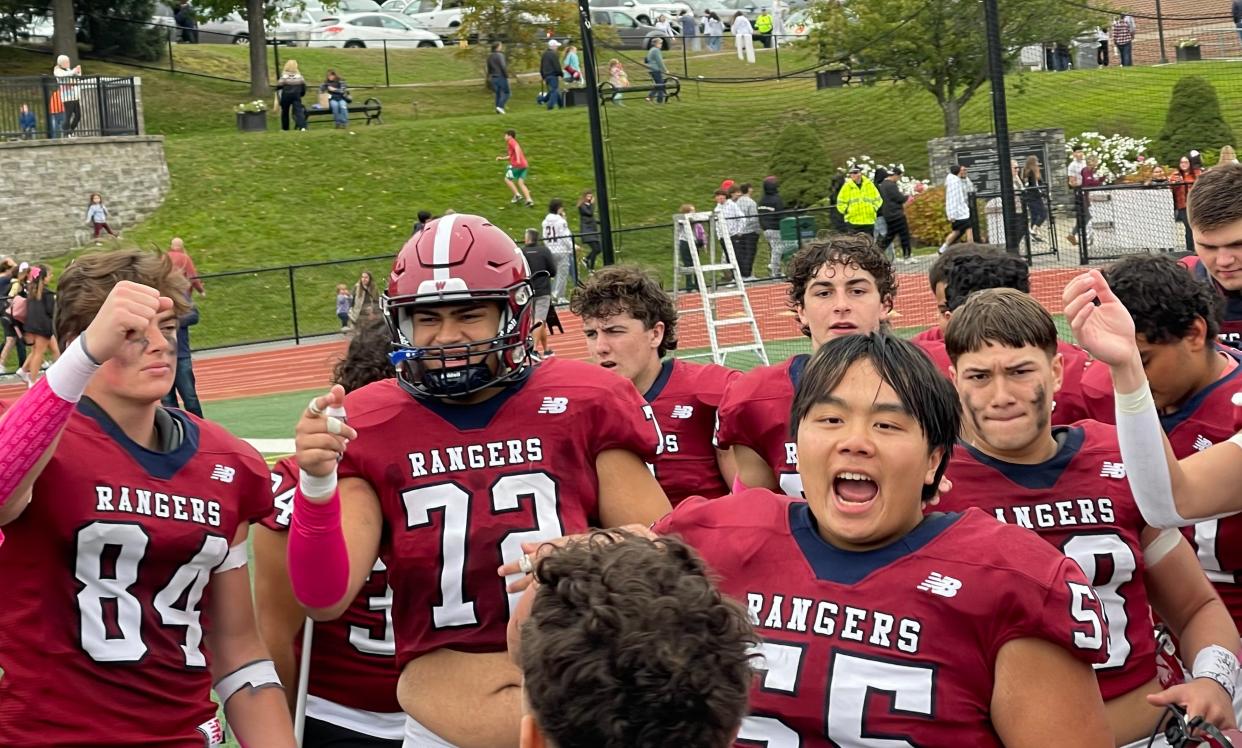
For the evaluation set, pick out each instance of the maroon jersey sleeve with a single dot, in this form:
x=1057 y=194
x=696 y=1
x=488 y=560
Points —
x=284 y=482
x=1097 y=393
x=620 y=419
x=936 y=351
x=712 y=382
x=1068 y=614
x=1069 y=402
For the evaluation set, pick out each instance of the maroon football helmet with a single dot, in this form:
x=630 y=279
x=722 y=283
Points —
x=459 y=259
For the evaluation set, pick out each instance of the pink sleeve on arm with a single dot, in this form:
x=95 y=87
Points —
x=318 y=558
x=26 y=431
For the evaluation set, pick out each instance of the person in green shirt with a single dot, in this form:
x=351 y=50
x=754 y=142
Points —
x=657 y=70
x=859 y=201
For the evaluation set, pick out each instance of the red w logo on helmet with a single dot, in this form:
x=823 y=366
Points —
x=440 y=285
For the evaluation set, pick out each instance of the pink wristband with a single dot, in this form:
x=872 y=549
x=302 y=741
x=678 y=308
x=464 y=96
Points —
x=26 y=431
x=318 y=559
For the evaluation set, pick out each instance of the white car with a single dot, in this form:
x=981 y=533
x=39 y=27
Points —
x=646 y=13
x=441 y=16
x=359 y=30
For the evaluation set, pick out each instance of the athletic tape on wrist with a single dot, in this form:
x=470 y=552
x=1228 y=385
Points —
x=1219 y=664
x=1133 y=403
x=71 y=373
x=1157 y=549
x=257 y=674
x=317 y=489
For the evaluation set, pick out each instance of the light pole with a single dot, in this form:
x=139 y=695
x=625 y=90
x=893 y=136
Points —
x=1000 y=123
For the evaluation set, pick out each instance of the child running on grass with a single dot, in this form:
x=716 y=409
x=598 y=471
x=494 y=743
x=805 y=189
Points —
x=517 y=168
x=97 y=214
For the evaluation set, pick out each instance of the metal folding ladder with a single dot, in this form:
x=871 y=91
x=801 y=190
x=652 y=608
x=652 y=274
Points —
x=711 y=290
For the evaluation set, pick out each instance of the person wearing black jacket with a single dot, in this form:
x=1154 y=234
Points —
x=292 y=87
x=498 y=75
x=183 y=381
x=542 y=269
x=550 y=71
x=771 y=209
x=588 y=227
x=893 y=209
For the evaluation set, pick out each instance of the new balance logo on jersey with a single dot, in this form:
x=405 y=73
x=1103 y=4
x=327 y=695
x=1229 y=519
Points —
x=1113 y=470
x=554 y=405
x=223 y=473
x=683 y=411
x=938 y=584
x=1202 y=442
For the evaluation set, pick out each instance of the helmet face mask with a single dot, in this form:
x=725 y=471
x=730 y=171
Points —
x=459 y=262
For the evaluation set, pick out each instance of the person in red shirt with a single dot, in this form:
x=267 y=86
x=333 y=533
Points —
x=1068 y=484
x=1189 y=168
x=515 y=174
x=839 y=286
x=126 y=594
x=183 y=262
x=630 y=324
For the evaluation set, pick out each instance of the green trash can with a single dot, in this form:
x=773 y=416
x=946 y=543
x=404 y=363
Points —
x=793 y=230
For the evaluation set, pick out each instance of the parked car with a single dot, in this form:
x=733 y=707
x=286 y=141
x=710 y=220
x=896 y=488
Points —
x=396 y=6
x=441 y=16
x=359 y=30
x=630 y=33
x=645 y=13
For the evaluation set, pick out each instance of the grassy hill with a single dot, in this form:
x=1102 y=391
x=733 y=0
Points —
x=259 y=200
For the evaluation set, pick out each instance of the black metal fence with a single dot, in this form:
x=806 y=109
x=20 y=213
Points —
x=38 y=107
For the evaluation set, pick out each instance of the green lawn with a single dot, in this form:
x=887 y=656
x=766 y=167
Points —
x=267 y=199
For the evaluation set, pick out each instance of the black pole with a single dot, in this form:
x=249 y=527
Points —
x=387 y=82
x=597 y=135
x=276 y=57
x=1164 y=58
x=293 y=306
x=1000 y=124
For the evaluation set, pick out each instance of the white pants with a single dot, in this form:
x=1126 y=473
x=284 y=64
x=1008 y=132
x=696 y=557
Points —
x=564 y=274
x=745 y=44
x=778 y=246
x=417 y=736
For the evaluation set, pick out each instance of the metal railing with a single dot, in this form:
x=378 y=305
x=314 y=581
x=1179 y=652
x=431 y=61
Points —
x=44 y=107
x=1121 y=219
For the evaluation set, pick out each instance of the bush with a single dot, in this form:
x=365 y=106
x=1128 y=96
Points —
x=925 y=214
x=801 y=163
x=1193 y=121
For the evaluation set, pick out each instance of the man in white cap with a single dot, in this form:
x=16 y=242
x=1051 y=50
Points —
x=550 y=71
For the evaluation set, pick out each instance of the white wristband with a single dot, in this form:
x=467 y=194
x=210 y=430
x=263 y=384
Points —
x=70 y=374
x=1219 y=664
x=317 y=488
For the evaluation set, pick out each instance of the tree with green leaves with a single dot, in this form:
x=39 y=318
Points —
x=1193 y=121
x=523 y=25
x=939 y=45
x=256 y=14
x=800 y=162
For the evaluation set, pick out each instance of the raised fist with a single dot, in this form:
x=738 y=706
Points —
x=125 y=317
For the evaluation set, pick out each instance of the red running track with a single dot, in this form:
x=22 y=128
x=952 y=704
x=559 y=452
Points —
x=305 y=367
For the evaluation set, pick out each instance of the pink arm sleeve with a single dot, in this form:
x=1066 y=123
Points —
x=26 y=431
x=318 y=559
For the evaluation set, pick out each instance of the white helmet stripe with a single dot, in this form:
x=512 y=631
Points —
x=440 y=250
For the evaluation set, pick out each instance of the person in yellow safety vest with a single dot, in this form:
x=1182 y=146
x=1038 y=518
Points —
x=859 y=201
x=763 y=28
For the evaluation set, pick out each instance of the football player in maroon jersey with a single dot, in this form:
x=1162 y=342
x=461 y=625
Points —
x=1193 y=380
x=125 y=581
x=352 y=686
x=839 y=286
x=1214 y=210
x=937 y=280
x=1068 y=485
x=472 y=450
x=630 y=323
x=676 y=670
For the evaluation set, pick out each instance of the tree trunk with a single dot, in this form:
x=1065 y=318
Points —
x=258 y=49
x=64 y=30
x=952 y=109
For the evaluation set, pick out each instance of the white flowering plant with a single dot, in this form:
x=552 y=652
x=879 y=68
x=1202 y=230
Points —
x=1119 y=155
x=908 y=184
x=258 y=105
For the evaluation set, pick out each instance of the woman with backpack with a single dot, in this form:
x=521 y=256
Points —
x=292 y=87
x=39 y=310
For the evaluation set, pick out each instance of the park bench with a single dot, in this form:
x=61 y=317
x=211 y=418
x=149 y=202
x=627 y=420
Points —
x=672 y=90
x=371 y=109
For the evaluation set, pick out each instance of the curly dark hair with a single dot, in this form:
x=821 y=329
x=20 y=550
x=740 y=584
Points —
x=366 y=360
x=630 y=645
x=980 y=268
x=849 y=250
x=628 y=289
x=938 y=273
x=1163 y=298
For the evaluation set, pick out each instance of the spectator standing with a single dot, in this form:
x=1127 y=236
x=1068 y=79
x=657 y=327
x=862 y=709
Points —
x=366 y=299
x=691 y=240
x=1123 y=38
x=515 y=173
x=40 y=311
x=68 y=88
x=893 y=210
x=1182 y=180
x=560 y=240
x=26 y=121
x=588 y=228
x=97 y=216
x=743 y=37
x=619 y=80
x=542 y=270
x=1227 y=156
x=184 y=385
x=734 y=221
x=338 y=99
x=183 y=262
x=749 y=238
x=664 y=27
x=771 y=210
x=498 y=75
x=763 y=28
x=1033 y=197
x=56 y=109
x=778 y=20
x=655 y=68
x=957 y=195
x=550 y=72
x=343 y=302
x=713 y=29
x=292 y=87
x=859 y=202
x=689 y=30
x=1101 y=50
x=9 y=286
x=187 y=22
x=1082 y=209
